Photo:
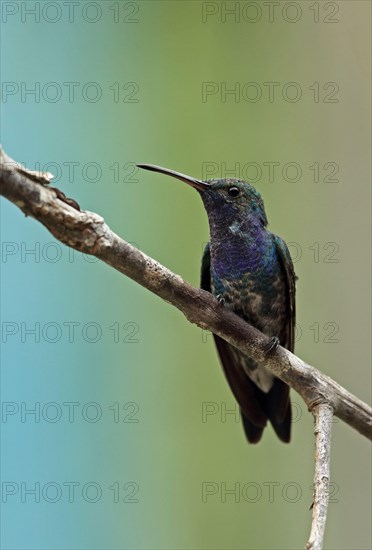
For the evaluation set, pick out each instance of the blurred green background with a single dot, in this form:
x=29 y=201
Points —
x=135 y=440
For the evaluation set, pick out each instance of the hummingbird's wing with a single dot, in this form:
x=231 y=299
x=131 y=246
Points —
x=287 y=265
x=277 y=405
x=247 y=394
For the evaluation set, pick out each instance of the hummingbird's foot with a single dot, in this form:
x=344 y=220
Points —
x=271 y=345
x=221 y=299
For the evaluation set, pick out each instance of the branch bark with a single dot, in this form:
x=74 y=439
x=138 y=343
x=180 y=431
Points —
x=88 y=233
x=323 y=417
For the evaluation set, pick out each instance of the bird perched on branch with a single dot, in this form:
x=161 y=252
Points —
x=250 y=271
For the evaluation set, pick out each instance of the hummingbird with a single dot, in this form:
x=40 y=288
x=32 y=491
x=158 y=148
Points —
x=250 y=271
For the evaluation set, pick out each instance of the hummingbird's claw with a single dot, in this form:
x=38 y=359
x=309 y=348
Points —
x=221 y=299
x=272 y=345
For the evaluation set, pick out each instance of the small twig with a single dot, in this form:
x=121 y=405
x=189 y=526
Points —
x=323 y=417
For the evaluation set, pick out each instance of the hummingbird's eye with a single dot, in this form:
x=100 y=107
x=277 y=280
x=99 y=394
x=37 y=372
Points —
x=233 y=192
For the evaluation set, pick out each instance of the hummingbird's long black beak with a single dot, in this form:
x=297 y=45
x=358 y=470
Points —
x=197 y=184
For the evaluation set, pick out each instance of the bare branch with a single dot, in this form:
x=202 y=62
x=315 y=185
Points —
x=88 y=233
x=323 y=417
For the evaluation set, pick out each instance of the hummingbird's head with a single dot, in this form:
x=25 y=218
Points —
x=235 y=199
x=226 y=200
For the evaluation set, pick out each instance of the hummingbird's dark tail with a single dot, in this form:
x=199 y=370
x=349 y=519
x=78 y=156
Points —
x=279 y=411
x=253 y=433
x=283 y=429
x=276 y=406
